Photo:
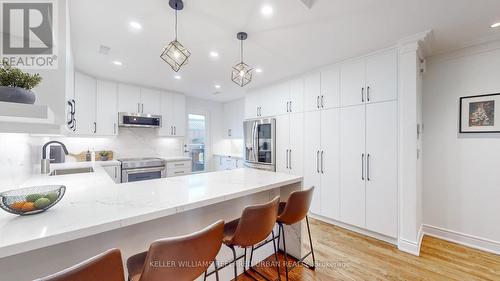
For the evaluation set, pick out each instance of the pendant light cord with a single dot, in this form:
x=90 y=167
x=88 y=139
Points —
x=176 y=24
x=241 y=51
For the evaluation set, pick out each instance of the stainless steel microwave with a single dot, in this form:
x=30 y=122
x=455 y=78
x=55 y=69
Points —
x=139 y=120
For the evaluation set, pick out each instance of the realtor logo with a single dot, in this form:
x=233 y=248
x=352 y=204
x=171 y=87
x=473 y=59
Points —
x=28 y=34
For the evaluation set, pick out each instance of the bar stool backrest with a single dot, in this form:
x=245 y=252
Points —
x=106 y=266
x=297 y=206
x=256 y=223
x=183 y=258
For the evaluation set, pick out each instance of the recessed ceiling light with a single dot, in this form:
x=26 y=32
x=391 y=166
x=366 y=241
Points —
x=214 y=54
x=217 y=86
x=178 y=77
x=266 y=10
x=495 y=25
x=117 y=62
x=258 y=70
x=135 y=25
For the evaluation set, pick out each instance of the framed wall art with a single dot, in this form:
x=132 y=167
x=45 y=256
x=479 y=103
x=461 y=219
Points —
x=480 y=114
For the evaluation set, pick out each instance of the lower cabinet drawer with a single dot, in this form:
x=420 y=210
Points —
x=178 y=165
x=178 y=172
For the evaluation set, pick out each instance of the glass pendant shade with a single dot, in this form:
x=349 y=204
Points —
x=242 y=74
x=175 y=55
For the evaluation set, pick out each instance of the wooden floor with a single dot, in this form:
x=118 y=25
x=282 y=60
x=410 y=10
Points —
x=345 y=255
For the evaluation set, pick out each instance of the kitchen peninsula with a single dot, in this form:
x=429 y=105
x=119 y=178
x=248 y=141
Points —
x=96 y=214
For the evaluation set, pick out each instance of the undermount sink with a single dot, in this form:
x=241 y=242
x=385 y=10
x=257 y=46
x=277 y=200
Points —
x=60 y=172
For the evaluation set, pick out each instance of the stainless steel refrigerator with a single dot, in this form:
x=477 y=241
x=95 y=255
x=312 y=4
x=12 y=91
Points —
x=260 y=144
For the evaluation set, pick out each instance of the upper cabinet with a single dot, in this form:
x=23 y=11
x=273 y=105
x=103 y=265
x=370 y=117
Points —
x=129 y=98
x=150 y=101
x=107 y=108
x=233 y=119
x=368 y=80
x=330 y=87
x=296 y=95
x=312 y=91
x=173 y=111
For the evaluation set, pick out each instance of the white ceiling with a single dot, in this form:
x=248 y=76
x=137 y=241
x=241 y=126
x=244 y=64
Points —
x=293 y=40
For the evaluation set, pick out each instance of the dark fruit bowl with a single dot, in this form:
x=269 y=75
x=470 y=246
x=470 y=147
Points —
x=31 y=200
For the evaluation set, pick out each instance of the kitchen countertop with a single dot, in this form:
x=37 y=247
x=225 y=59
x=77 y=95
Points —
x=93 y=203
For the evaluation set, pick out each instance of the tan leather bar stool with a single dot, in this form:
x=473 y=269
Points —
x=254 y=226
x=291 y=212
x=107 y=266
x=182 y=258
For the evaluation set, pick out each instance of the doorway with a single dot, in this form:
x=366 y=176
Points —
x=197 y=141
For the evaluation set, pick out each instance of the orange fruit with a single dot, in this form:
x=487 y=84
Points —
x=17 y=205
x=28 y=206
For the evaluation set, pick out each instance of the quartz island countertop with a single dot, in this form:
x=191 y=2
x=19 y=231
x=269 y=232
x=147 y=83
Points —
x=93 y=203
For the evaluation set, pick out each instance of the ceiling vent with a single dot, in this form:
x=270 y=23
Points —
x=104 y=50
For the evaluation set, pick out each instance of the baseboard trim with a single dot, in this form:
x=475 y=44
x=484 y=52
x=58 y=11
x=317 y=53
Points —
x=356 y=229
x=463 y=239
x=412 y=247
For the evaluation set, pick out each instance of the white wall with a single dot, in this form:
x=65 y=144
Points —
x=461 y=172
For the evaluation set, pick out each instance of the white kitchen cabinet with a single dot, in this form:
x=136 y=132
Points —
x=233 y=119
x=381 y=77
x=368 y=80
x=312 y=91
x=330 y=163
x=85 y=104
x=107 y=108
x=129 y=98
x=282 y=143
x=276 y=102
x=173 y=111
x=381 y=170
x=352 y=165
x=312 y=150
x=290 y=143
x=330 y=87
x=297 y=95
x=252 y=104
x=114 y=171
x=352 y=83
x=150 y=101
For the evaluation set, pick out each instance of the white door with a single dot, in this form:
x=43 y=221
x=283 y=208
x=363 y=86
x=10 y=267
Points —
x=275 y=102
x=179 y=116
x=85 y=107
x=150 y=101
x=312 y=176
x=251 y=105
x=381 y=77
x=352 y=83
x=330 y=163
x=166 y=105
x=297 y=95
x=330 y=87
x=312 y=91
x=296 y=154
x=381 y=184
x=129 y=98
x=352 y=165
x=282 y=143
x=107 y=108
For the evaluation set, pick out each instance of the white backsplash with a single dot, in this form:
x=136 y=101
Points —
x=20 y=154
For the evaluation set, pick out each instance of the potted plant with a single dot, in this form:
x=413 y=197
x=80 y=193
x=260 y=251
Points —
x=104 y=155
x=15 y=85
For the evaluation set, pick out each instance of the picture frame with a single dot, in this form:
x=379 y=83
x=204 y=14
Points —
x=480 y=114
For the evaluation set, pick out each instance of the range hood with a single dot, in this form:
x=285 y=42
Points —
x=126 y=119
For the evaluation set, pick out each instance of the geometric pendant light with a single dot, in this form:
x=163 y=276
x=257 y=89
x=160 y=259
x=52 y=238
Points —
x=241 y=73
x=175 y=54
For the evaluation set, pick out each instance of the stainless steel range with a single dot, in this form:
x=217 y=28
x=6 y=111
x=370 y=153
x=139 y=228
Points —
x=139 y=169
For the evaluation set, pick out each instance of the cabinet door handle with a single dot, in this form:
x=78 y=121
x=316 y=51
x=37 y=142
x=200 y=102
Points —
x=286 y=159
x=175 y=130
x=368 y=167
x=322 y=101
x=290 y=106
x=171 y=130
x=95 y=127
x=142 y=108
x=363 y=94
x=317 y=102
x=317 y=161
x=290 y=159
x=363 y=166
x=138 y=107
x=115 y=172
x=368 y=95
x=287 y=106
x=322 y=154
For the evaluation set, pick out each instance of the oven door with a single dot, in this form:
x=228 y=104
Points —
x=133 y=175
